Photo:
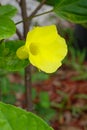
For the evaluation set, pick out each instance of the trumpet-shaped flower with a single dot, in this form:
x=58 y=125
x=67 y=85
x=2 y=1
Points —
x=45 y=48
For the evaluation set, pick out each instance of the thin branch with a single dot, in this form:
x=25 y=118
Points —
x=18 y=2
x=28 y=83
x=33 y=13
x=19 y=34
x=26 y=25
x=43 y=13
x=24 y=15
x=37 y=9
x=28 y=18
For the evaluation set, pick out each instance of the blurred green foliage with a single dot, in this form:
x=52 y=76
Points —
x=39 y=76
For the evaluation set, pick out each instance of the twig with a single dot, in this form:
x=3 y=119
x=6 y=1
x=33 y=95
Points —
x=18 y=2
x=26 y=25
x=37 y=9
x=29 y=18
x=24 y=15
x=19 y=34
x=27 y=69
x=28 y=85
x=37 y=15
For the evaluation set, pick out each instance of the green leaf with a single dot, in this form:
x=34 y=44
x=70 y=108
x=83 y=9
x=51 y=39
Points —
x=72 y=10
x=8 y=11
x=8 y=59
x=50 y=2
x=7 y=28
x=44 y=100
x=39 y=76
x=13 y=118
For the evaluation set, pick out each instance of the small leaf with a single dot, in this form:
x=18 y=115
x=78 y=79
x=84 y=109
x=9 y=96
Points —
x=8 y=10
x=7 y=28
x=8 y=59
x=72 y=10
x=13 y=118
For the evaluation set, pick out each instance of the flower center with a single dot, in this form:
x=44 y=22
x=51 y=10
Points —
x=33 y=49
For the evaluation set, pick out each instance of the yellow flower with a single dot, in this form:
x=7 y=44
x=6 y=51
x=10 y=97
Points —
x=45 y=48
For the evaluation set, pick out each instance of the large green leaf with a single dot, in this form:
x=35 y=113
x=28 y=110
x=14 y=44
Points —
x=7 y=10
x=8 y=59
x=13 y=118
x=72 y=10
x=7 y=28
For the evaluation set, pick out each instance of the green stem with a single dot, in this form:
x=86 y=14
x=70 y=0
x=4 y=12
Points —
x=43 y=13
x=29 y=18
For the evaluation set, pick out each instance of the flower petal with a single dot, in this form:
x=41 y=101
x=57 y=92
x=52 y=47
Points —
x=48 y=58
x=22 y=53
x=42 y=35
x=45 y=48
x=45 y=64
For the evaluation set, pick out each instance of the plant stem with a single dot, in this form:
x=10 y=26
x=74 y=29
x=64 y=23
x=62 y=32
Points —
x=43 y=13
x=26 y=25
x=29 y=18
x=28 y=85
x=19 y=34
